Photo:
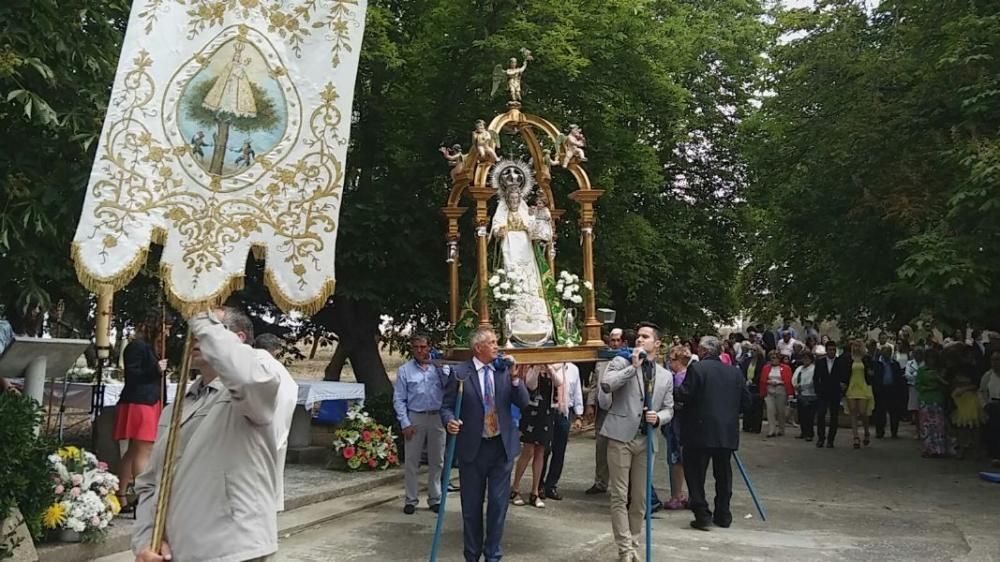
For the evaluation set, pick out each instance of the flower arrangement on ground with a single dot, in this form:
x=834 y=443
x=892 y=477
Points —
x=361 y=444
x=85 y=493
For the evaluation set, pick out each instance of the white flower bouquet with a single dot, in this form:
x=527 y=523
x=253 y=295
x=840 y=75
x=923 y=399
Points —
x=568 y=286
x=505 y=287
x=85 y=492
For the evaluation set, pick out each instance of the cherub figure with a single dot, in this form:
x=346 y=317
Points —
x=571 y=146
x=455 y=159
x=544 y=170
x=512 y=74
x=486 y=143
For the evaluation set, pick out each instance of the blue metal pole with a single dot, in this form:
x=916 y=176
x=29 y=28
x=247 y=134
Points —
x=670 y=470
x=753 y=493
x=650 y=435
x=446 y=478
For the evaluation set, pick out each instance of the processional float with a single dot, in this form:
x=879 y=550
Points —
x=542 y=316
x=516 y=289
x=226 y=133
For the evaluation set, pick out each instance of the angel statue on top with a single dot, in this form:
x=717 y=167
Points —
x=512 y=74
x=529 y=320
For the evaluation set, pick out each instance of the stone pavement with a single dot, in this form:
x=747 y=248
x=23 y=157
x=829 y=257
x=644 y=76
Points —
x=884 y=503
x=880 y=504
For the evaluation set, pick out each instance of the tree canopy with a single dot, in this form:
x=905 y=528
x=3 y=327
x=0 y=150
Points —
x=839 y=161
x=874 y=163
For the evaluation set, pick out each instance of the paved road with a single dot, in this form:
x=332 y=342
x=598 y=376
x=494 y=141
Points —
x=880 y=504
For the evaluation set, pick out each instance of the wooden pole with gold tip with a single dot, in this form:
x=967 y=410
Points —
x=170 y=455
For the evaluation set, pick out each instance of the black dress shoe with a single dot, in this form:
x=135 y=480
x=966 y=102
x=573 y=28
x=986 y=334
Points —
x=553 y=494
x=819 y=444
x=594 y=490
x=700 y=525
x=724 y=523
x=541 y=494
x=409 y=509
x=435 y=508
x=829 y=444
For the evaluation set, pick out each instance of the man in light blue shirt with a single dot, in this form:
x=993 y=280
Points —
x=417 y=399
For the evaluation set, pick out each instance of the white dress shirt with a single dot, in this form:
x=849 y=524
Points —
x=989 y=388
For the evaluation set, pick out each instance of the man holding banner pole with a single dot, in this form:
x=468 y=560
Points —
x=625 y=428
x=222 y=501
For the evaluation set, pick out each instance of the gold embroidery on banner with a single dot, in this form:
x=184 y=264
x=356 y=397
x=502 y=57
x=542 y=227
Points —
x=211 y=229
x=294 y=24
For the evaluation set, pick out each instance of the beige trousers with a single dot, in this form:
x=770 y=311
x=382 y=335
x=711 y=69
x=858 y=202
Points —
x=627 y=463
x=776 y=401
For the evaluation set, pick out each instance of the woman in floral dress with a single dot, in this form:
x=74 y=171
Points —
x=932 y=392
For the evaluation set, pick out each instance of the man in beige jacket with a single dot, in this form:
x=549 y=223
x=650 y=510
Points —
x=222 y=505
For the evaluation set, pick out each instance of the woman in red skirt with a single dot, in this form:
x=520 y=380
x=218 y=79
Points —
x=139 y=407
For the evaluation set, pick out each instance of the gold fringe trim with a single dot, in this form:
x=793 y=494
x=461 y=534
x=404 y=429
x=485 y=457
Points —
x=95 y=283
x=288 y=304
x=190 y=308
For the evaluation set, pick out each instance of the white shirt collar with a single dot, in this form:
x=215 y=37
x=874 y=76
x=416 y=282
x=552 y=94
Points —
x=478 y=364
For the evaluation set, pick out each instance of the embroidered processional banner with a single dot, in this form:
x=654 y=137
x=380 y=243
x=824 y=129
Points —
x=226 y=131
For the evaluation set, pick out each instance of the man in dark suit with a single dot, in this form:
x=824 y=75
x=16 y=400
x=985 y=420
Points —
x=832 y=375
x=712 y=396
x=487 y=441
x=889 y=387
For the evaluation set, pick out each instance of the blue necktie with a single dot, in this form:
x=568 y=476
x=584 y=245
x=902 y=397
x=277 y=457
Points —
x=491 y=424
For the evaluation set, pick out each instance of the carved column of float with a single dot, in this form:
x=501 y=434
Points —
x=482 y=195
x=453 y=235
x=586 y=198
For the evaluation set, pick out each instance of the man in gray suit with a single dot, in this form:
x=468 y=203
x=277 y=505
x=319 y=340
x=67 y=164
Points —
x=625 y=428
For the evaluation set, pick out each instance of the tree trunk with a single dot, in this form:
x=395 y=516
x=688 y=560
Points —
x=356 y=324
x=219 y=148
x=336 y=364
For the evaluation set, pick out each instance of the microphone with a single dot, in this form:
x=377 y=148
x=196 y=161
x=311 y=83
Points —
x=626 y=353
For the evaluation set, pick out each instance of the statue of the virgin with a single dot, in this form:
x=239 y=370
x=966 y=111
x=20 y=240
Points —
x=530 y=320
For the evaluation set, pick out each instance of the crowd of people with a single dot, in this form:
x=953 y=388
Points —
x=514 y=416
x=947 y=388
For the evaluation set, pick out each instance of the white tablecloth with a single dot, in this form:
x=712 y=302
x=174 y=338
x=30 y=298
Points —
x=78 y=395
x=312 y=391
